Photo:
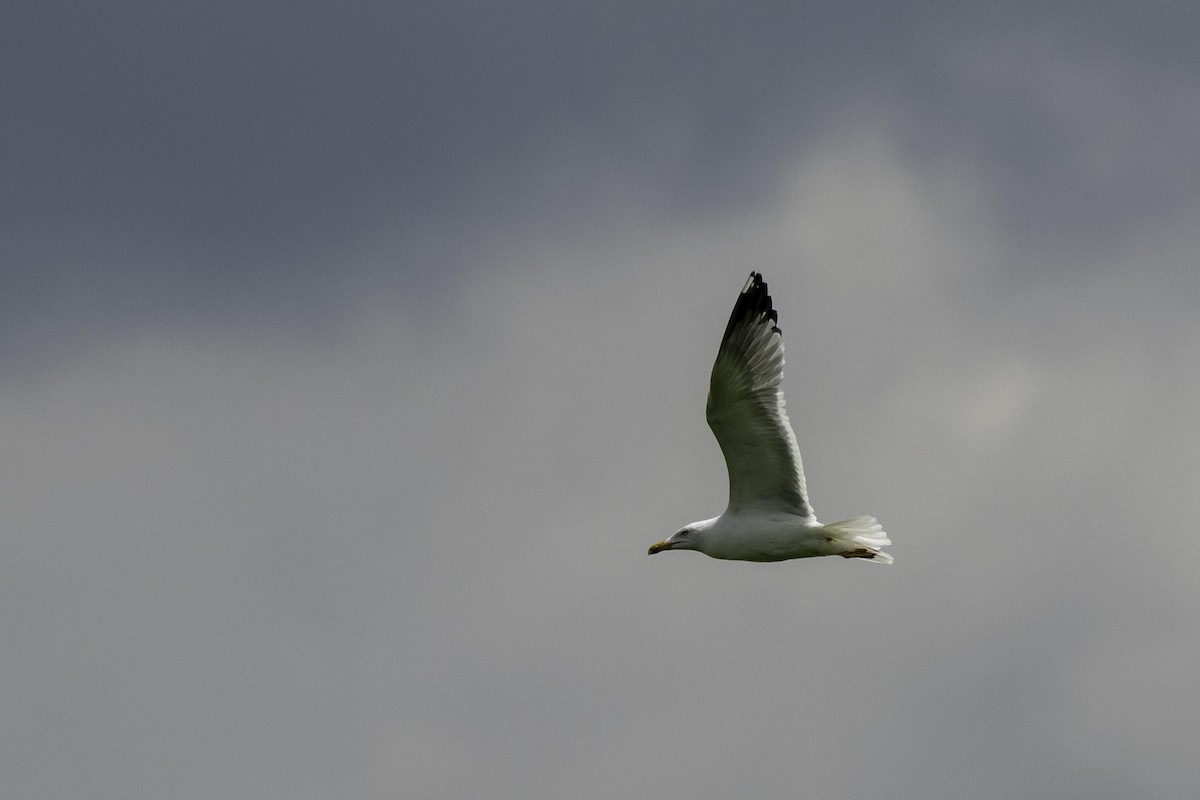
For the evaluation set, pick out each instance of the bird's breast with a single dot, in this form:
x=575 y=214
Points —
x=764 y=537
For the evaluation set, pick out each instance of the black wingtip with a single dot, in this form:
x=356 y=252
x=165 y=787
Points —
x=751 y=303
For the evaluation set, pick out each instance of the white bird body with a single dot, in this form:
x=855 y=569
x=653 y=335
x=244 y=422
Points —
x=780 y=536
x=768 y=517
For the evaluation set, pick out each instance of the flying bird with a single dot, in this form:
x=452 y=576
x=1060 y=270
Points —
x=768 y=517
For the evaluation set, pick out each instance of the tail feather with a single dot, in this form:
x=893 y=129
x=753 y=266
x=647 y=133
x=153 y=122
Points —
x=863 y=537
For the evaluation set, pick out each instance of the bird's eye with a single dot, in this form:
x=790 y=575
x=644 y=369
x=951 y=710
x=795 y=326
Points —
x=683 y=534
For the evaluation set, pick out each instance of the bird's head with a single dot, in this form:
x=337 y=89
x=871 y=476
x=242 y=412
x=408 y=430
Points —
x=689 y=537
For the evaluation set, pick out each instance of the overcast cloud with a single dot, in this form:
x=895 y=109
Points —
x=352 y=356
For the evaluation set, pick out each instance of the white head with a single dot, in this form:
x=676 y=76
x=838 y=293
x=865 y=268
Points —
x=689 y=537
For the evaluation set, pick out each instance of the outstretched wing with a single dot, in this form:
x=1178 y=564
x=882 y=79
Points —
x=745 y=409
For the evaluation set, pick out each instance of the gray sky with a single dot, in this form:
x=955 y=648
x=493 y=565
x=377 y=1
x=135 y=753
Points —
x=352 y=357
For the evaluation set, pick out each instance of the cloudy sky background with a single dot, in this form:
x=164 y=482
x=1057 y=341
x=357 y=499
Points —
x=351 y=357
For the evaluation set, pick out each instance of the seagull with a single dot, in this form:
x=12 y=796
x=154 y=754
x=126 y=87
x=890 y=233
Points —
x=768 y=517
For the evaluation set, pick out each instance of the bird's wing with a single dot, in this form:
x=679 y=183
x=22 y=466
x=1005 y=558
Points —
x=745 y=409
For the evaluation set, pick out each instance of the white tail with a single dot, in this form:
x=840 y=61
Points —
x=863 y=537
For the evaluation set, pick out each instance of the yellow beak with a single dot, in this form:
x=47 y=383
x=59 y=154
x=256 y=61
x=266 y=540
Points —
x=658 y=548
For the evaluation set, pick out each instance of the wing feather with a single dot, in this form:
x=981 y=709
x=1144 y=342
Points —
x=746 y=410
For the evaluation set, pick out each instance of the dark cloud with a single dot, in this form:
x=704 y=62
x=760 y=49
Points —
x=200 y=156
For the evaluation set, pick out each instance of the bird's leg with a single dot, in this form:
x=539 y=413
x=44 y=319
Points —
x=861 y=552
